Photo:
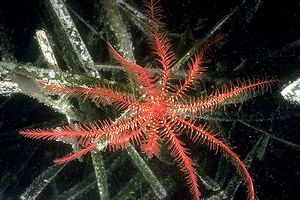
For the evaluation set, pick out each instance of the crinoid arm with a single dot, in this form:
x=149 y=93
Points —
x=114 y=135
x=195 y=69
x=159 y=42
x=104 y=94
x=232 y=93
x=70 y=133
x=180 y=153
x=201 y=134
x=150 y=146
x=121 y=141
x=79 y=134
x=75 y=155
x=139 y=74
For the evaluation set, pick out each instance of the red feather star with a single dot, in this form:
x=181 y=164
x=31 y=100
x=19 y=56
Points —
x=160 y=114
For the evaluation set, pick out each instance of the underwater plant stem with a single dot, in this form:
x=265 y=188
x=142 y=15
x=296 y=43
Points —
x=155 y=184
x=100 y=174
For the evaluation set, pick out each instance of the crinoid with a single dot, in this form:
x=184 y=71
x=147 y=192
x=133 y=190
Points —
x=159 y=115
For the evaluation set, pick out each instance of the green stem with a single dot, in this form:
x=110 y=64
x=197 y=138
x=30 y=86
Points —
x=100 y=174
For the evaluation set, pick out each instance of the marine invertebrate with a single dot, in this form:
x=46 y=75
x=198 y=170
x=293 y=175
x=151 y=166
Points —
x=159 y=115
